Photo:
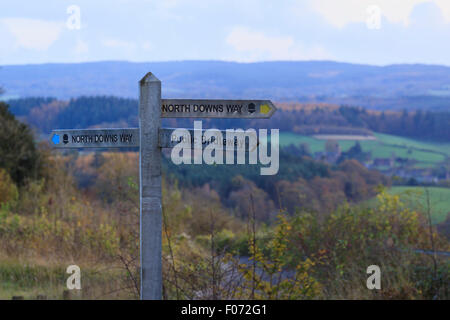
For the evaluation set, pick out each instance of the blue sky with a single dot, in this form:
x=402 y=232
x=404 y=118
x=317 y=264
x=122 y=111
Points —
x=360 y=31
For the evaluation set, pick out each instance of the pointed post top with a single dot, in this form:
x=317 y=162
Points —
x=149 y=77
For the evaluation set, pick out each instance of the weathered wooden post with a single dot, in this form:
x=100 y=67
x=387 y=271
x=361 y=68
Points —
x=150 y=187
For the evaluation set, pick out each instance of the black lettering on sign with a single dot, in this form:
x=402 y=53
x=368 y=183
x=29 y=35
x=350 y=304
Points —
x=82 y=139
x=126 y=138
x=107 y=138
x=167 y=108
x=232 y=108
x=208 y=108
x=175 y=108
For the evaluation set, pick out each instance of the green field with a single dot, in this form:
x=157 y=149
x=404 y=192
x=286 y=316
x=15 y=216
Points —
x=443 y=148
x=415 y=197
x=426 y=154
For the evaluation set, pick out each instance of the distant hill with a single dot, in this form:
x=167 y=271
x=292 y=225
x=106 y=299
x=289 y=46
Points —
x=388 y=87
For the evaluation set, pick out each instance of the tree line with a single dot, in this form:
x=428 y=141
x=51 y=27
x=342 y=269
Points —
x=83 y=112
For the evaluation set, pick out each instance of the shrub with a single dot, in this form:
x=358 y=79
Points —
x=18 y=153
x=8 y=190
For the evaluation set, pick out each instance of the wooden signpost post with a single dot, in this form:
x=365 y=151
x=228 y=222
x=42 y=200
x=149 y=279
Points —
x=151 y=138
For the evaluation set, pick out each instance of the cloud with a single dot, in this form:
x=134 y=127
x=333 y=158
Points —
x=444 y=5
x=252 y=30
x=243 y=39
x=146 y=45
x=343 y=12
x=33 y=33
x=117 y=43
x=81 y=47
x=253 y=45
x=129 y=48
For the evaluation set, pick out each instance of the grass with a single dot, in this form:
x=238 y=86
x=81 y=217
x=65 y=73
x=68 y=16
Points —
x=29 y=280
x=426 y=154
x=415 y=197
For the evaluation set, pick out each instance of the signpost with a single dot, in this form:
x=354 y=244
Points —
x=95 y=138
x=168 y=139
x=150 y=138
x=130 y=137
x=189 y=108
